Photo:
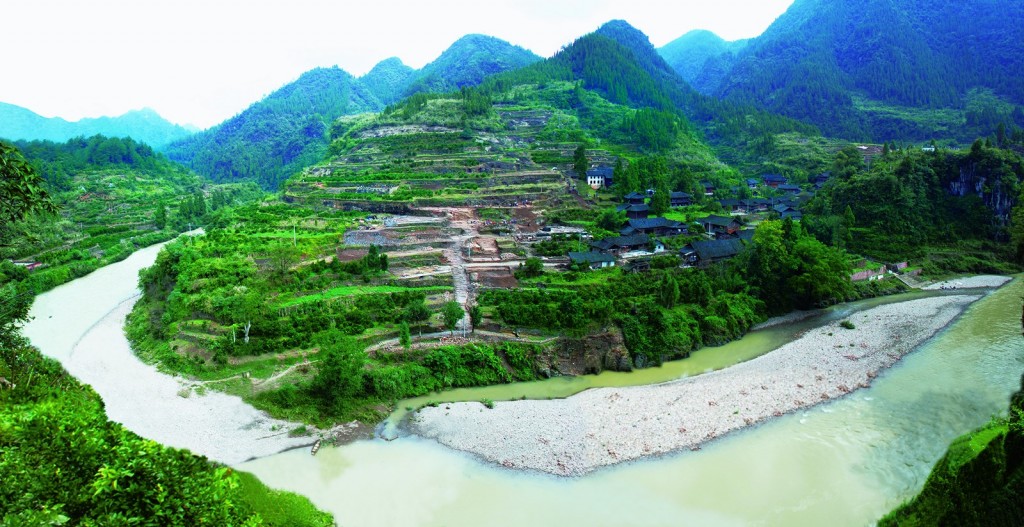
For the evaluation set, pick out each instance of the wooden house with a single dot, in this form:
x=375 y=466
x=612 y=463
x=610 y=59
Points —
x=594 y=259
x=654 y=227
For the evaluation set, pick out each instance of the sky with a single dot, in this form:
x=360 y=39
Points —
x=199 y=62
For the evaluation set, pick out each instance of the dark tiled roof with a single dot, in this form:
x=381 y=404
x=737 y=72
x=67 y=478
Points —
x=622 y=241
x=679 y=195
x=635 y=195
x=720 y=221
x=788 y=188
x=717 y=249
x=654 y=223
x=773 y=178
x=591 y=257
x=601 y=171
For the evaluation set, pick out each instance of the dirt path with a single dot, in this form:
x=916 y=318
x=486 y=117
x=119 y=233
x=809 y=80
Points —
x=463 y=218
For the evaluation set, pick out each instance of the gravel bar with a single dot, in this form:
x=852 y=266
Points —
x=604 y=426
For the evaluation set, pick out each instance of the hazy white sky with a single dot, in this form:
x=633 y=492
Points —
x=202 y=61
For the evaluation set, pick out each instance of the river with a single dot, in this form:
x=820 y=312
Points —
x=841 y=463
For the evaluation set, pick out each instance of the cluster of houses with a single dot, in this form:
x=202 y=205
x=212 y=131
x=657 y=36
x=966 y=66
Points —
x=725 y=235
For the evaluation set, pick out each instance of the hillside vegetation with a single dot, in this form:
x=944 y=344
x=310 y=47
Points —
x=278 y=136
x=113 y=197
x=877 y=70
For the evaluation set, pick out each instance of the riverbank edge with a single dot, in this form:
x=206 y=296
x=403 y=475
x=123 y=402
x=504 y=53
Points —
x=579 y=434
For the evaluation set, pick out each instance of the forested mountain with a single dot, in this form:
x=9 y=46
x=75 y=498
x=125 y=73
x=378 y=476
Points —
x=702 y=58
x=17 y=123
x=278 y=136
x=467 y=62
x=619 y=62
x=388 y=80
x=866 y=69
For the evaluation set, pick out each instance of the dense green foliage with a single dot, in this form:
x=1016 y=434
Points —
x=21 y=194
x=789 y=269
x=859 y=69
x=348 y=384
x=64 y=463
x=467 y=62
x=275 y=137
x=711 y=308
x=701 y=57
x=388 y=80
x=114 y=196
x=908 y=203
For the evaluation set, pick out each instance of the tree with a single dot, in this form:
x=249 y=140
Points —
x=531 y=268
x=21 y=194
x=579 y=161
x=661 y=200
x=668 y=292
x=21 y=189
x=340 y=373
x=628 y=182
x=848 y=162
x=476 y=314
x=416 y=312
x=282 y=257
x=452 y=313
x=848 y=222
x=611 y=219
x=160 y=216
x=404 y=338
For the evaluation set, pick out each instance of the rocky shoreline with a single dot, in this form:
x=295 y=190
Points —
x=599 y=427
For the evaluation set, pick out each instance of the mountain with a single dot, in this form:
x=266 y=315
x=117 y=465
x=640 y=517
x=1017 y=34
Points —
x=864 y=69
x=388 y=80
x=702 y=58
x=278 y=135
x=288 y=130
x=467 y=62
x=17 y=123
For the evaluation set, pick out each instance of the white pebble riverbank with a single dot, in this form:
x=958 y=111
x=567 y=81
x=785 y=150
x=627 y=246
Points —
x=605 y=426
x=970 y=282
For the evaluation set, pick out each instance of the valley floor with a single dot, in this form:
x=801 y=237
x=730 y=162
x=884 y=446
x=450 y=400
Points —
x=599 y=427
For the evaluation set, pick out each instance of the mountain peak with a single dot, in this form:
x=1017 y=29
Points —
x=467 y=61
x=389 y=63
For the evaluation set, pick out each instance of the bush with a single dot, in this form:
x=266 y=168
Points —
x=847 y=324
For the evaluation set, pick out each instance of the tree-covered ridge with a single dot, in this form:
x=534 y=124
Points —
x=288 y=130
x=909 y=204
x=618 y=62
x=279 y=135
x=113 y=196
x=388 y=80
x=819 y=60
x=701 y=57
x=144 y=126
x=467 y=62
